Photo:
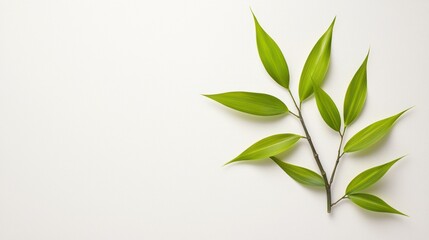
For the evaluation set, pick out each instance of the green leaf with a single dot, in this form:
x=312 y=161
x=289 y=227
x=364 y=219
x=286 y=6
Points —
x=327 y=108
x=271 y=56
x=372 y=203
x=253 y=103
x=371 y=134
x=300 y=174
x=356 y=94
x=268 y=147
x=369 y=177
x=317 y=64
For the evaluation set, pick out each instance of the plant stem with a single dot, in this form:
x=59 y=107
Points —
x=343 y=197
x=339 y=155
x=315 y=155
x=294 y=114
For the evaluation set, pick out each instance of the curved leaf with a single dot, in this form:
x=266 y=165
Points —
x=317 y=64
x=300 y=174
x=369 y=177
x=327 y=108
x=356 y=94
x=268 y=147
x=372 y=203
x=271 y=56
x=253 y=103
x=371 y=134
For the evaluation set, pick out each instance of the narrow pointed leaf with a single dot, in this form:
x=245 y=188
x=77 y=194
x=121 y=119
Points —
x=300 y=174
x=327 y=108
x=317 y=64
x=356 y=94
x=271 y=56
x=253 y=103
x=268 y=147
x=372 y=203
x=371 y=134
x=369 y=177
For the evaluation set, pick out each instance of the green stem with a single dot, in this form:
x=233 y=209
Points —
x=339 y=200
x=315 y=155
x=339 y=155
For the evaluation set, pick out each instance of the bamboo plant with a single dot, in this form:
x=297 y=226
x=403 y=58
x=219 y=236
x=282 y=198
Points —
x=310 y=84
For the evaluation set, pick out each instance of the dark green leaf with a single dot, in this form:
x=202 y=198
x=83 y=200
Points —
x=372 y=203
x=271 y=56
x=268 y=147
x=253 y=103
x=300 y=174
x=371 y=134
x=327 y=108
x=356 y=94
x=317 y=64
x=369 y=177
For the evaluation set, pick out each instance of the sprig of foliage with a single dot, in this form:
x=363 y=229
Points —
x=312 y=78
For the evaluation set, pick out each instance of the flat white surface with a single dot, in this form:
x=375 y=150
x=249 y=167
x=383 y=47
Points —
x=104 y=133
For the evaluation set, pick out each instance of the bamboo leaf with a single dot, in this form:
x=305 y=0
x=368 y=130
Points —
x=300 y=174
x=371 y=134
x=327 y=108
x=268 y=147
x=369 y=177
x=271 y=56
x=356 y=94
x=317 y=64
x=253 y=103
x=372 y=203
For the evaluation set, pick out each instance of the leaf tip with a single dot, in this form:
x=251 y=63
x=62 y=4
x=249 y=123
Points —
x=333 y=21
x=367 y=55
x=227 y=163
x=409 y=108
x=253 y=15
x=403 y=214
x=400 y=213
x=406 y=110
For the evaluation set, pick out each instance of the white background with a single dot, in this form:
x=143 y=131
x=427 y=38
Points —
x=104 y=133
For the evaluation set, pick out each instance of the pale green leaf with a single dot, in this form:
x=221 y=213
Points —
x=372 y=203
x=371 y=134
x=356 y=94
x=253 y=103
x=327 y=108
x=268 y=147
x=369 y=177
x=300 y=174
x=271 y=56
x=317 y=64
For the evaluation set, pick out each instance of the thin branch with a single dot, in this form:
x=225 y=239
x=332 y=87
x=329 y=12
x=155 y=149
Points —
x=294 y=114
x=339 y=155
x=339 y=200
